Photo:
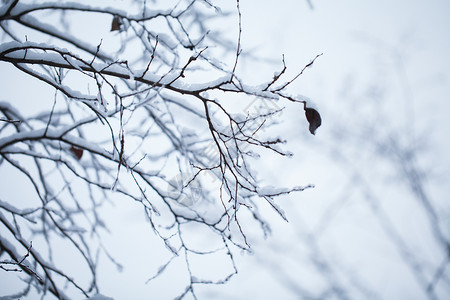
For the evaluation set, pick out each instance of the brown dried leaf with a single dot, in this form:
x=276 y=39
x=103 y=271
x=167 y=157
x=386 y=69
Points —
x=77 y=152
x=313 y=118
x=116 y=23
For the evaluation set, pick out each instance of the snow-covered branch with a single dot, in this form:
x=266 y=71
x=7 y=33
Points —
x=154 y=120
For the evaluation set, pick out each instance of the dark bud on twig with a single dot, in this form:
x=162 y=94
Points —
x=116 y=23
x=313 y=118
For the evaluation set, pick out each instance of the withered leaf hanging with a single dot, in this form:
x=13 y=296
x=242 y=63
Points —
x=116 y=23
x=77 y=152
x=313 y=118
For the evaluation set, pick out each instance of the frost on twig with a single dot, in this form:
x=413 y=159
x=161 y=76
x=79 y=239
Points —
x=156 y=119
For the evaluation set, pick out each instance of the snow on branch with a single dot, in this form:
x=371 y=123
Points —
x=158 y=120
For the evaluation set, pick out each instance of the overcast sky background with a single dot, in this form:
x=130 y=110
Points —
x=385 y=64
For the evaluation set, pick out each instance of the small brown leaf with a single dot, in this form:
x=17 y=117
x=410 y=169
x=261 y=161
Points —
x=77 y=152
x=313 y=118
x=116 y=24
